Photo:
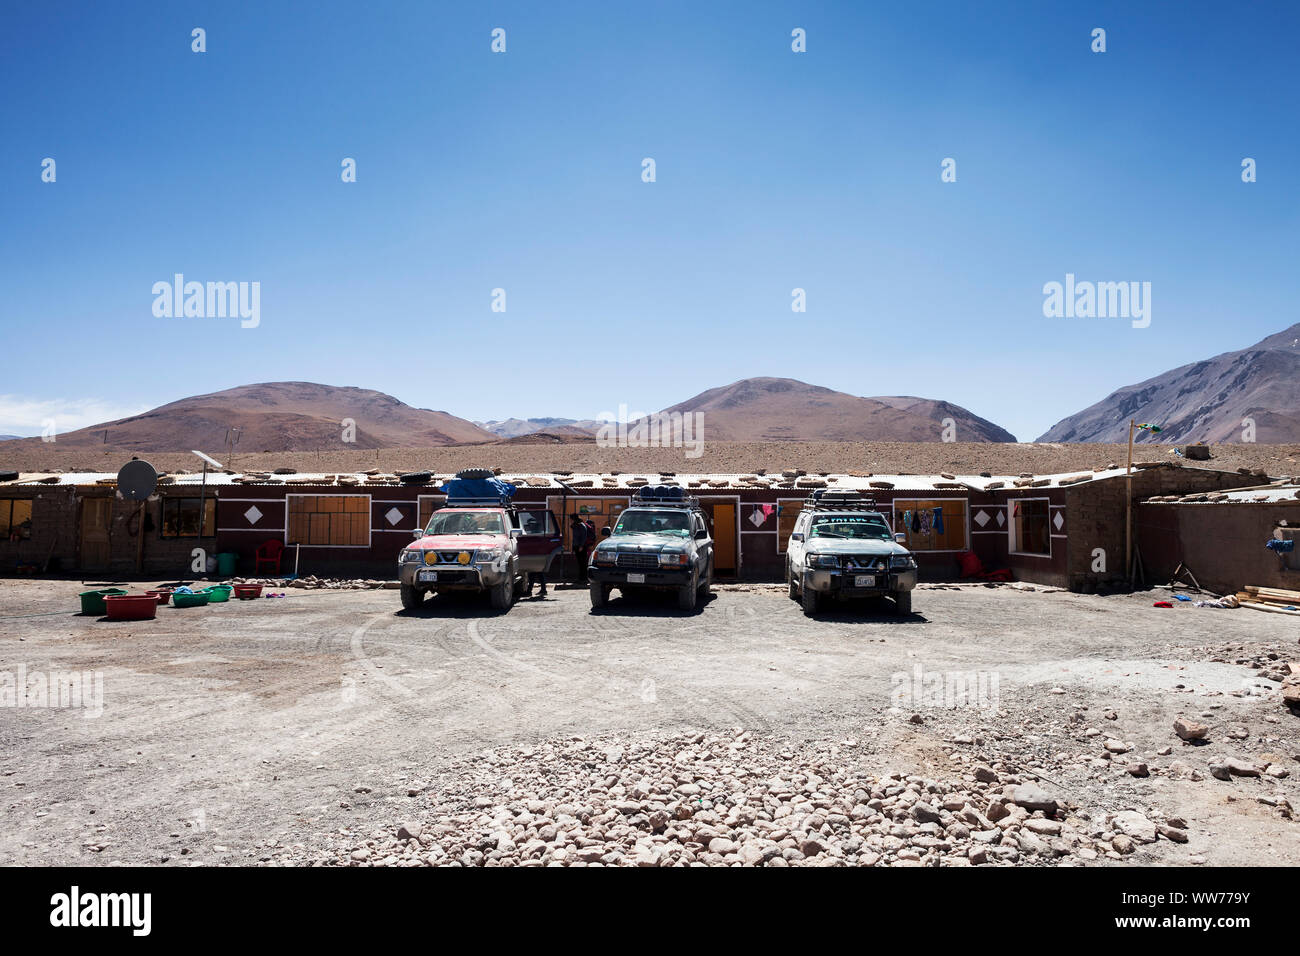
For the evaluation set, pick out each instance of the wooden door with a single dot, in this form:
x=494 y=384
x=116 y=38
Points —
x=96 y=514
x=724 y=539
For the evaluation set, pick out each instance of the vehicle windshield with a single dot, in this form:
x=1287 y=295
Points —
x=871 y=527
x=465 y=522
x=654 y=522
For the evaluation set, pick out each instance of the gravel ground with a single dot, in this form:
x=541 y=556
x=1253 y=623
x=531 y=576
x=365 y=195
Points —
x=332 y=728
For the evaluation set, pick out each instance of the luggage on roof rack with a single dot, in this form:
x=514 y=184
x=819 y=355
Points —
x=837 y=499
x=478 y=492
x=665 y=495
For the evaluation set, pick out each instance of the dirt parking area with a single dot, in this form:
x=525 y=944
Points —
x=993 y=726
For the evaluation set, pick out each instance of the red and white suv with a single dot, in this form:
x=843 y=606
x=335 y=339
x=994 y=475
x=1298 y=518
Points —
x=488 y=548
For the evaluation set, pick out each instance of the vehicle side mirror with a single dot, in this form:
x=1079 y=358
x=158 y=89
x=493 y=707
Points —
x=797 y=536
x=516 y=532
x=606 y=531
x=900 y=537
x=701 y=535
x=418 y=533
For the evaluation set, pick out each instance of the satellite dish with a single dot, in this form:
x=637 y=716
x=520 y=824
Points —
x=137 y=480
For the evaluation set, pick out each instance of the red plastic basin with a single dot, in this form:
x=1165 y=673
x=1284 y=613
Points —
x=131 y=607
x=246 y=591
x=162 y=595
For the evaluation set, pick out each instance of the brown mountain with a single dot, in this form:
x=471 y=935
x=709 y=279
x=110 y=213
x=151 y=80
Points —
x=1204 y=401
x=280 y=416
x=783 y=409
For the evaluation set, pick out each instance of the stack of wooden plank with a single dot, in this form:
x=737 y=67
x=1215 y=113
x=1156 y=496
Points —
x=1276 y=600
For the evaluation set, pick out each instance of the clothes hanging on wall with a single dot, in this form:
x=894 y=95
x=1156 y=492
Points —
x=938 y=521
x=926 y=516
x=915 y=523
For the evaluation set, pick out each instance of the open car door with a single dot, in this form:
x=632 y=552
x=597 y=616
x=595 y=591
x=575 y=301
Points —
x=540 y=545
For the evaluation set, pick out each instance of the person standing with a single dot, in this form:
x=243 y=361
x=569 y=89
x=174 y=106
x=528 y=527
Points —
x=580 y=538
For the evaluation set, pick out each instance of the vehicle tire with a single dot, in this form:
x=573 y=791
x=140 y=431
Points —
x=810 y=600
x=503 y=595
x=902 y=602
x=412 y=597
x=706 y=583
x=599 y=594
x=521 y=586
x=687 y=596
x=789 y=582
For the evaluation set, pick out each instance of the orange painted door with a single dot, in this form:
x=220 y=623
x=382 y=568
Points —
x=724 y=539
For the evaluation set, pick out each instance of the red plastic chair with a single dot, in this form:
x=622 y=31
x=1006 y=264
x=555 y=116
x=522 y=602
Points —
x=268 y=552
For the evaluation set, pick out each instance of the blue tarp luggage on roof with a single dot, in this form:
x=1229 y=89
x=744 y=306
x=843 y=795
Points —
x=662 y=493
x=460 y=488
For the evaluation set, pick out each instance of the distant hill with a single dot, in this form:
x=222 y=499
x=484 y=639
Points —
x=518 y=427
x=1204 y=401
x=280 y=416
x=784 y=409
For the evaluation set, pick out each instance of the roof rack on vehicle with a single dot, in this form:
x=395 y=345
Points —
x=671 y=495
x=493 y=502
x=825 y=499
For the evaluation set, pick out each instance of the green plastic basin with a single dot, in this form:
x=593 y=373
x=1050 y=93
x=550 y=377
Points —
x=92 y=602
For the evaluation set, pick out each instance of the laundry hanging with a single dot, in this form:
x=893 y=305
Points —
x=938 y=521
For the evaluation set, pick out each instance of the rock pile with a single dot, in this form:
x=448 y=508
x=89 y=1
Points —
x=313 y=583
x=738 y=800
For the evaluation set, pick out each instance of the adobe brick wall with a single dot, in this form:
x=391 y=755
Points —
x=1222 y=544
x=54 y=529
x=1095 y=511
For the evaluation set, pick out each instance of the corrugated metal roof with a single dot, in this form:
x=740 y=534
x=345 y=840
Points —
x=697 y=481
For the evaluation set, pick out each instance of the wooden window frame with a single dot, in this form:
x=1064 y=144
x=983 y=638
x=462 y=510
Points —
x=896 y=521
x=209 y=526
x=1013 y=538
x=7 y=505
x=288 y=520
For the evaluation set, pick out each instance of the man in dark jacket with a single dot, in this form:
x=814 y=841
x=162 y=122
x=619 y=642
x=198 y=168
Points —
x=581 y=540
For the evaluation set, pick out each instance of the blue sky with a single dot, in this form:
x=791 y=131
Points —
x=522 y=171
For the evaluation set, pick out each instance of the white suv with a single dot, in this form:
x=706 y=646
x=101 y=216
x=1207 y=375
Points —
x=841 y=547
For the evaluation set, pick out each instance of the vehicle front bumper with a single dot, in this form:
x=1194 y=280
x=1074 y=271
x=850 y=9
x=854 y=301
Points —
x=844 y=582
x=661 y=578
x=465 y=577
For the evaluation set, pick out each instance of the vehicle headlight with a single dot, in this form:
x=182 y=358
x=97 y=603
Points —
x=673 y=559
x=902 y=561
x=823 y=561
x=409 y=556
x=604 y=556
x=487 y=556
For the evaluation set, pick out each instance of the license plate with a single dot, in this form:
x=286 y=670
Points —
x=636 y=579
x=864 y=580
x=423 y=575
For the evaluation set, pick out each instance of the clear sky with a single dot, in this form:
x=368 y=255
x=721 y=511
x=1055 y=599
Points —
x=523 y=171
